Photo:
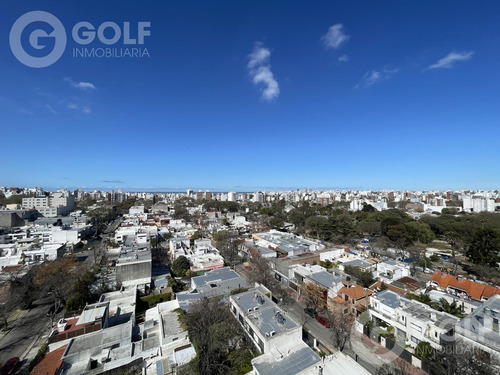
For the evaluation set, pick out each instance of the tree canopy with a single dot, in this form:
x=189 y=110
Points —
x=485 y=247
x=180 y=266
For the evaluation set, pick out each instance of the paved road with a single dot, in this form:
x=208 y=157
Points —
x=27 y=330
x=19 y=340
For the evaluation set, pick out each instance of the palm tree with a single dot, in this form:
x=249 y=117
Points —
x=450 y=308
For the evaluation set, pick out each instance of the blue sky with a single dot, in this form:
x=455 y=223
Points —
x=260 y=94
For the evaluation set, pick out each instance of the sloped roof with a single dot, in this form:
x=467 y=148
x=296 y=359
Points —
x=339 y=300
x=356 y=291
x=474 y=289
x=390 y=287
x=50 y=363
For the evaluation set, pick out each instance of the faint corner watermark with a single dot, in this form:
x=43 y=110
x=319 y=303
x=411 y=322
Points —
x=38 y=39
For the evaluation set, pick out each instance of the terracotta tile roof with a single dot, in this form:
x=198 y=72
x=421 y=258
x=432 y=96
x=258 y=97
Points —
x=356 y=291
x=390 y=287
x=12 y=268
x=50 y=363
x=339 y=300
x=474 y=289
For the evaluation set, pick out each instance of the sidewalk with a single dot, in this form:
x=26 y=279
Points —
x=379 y=354
x=14 y=318
x=32 y=350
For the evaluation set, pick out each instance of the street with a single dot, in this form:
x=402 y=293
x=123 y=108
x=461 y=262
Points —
x=34 y=323
x=365 y=352
x=27 y=329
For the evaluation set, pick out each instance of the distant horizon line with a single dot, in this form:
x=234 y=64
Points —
x=248 y=189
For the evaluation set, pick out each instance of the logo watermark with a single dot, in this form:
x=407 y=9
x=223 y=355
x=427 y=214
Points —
x=38 y=39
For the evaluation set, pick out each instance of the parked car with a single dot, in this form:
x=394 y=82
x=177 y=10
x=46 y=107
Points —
x=323 y=321
x=10 y=366
x=311 y=312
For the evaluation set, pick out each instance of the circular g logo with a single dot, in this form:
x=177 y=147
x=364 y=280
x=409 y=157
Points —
x=37 y=39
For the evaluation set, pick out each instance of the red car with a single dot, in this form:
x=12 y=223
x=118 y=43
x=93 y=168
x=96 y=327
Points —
x=10 y=366
x=323 y=321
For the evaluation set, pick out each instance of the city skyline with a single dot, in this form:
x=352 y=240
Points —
x=260 y=96
x=237 y=189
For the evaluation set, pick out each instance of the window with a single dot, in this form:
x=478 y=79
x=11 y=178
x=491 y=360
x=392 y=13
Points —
x=495 y=325
x=415 y=340
x=416 y=328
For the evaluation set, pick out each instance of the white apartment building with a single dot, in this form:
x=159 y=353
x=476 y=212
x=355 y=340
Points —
x=136 y=210
x=232 y=196
x=279 y=338
x=135 y=234
x=478 y=204
x=480 y=329
x=49 y=234
x=267 y=325
x=391 y=270
x=413 y=321
x=59 y=203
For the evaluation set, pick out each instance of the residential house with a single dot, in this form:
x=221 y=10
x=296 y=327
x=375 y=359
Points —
x=480 y=329
x=459 y=286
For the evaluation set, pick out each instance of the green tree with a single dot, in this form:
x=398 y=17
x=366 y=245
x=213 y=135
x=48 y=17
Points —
x=424 y=350
x=217 y=337
x=176 y=286
x=365 y=279
x=316 y=225
x=485 y=247
x=227 y=243
x=369 y=228
x=180 y=266
x=450 y=308
x=181 y=212
x=420 y=232
x=276 y=222
x=368 y=208
x=81 y=295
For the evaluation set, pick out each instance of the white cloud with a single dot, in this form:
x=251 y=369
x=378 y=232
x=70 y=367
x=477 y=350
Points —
x=259 y=56
x=450 y=59
x=259 y=68
x=81 y=85
x=373 y=77
x=335 y=37
x=84 y=109
x=50 y=109
x=344 y=58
